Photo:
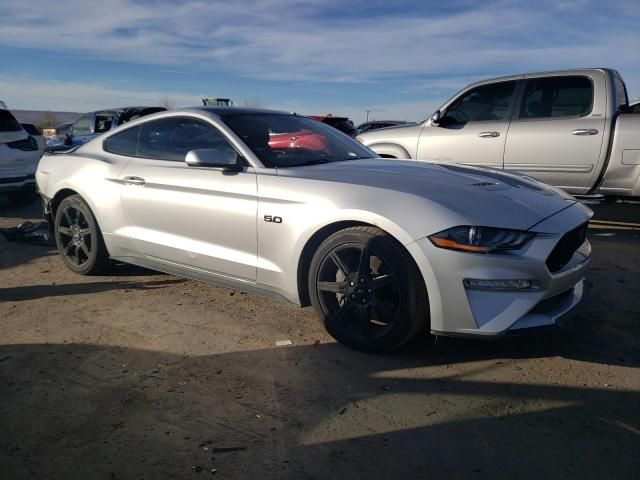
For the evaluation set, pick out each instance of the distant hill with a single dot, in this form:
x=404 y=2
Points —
x=34 y=116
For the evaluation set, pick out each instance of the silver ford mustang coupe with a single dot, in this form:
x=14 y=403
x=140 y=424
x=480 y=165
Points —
x=285 y=206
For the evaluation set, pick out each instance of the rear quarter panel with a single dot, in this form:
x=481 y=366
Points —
x=622 y=176
x=94 y=177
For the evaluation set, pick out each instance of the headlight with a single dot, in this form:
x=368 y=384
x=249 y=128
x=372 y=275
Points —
x=480 y=239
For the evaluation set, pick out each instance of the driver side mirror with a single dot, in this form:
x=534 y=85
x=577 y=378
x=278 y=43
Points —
x=436 y=117
x=226 y=158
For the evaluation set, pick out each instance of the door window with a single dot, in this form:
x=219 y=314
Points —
x=103 y=123
x=486 y=103
x=172 y=138
x=82 y=126
x=123 y=143
x=557 y=97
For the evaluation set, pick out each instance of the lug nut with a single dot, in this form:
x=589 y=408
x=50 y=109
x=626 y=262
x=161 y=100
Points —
x=351 y=284
x=364 y=300
x=369 y=290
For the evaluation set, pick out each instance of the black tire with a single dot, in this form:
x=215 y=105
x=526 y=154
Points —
x=79 y=239
x=367 y=290
x=23 y=197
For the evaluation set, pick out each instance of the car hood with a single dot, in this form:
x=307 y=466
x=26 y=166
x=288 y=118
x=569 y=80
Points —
x=485 y=196
x=389 y=130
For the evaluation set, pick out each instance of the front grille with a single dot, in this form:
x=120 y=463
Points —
x=29 y=144
x=566 y=247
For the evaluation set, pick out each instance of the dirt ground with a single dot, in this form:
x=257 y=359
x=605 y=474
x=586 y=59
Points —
x=141 y=375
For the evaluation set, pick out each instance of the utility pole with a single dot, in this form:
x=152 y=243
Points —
x=368 y=115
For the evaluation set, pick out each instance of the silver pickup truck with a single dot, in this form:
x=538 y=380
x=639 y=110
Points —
x=573 y=129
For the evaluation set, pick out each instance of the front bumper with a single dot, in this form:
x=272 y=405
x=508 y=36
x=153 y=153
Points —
x=458 y=310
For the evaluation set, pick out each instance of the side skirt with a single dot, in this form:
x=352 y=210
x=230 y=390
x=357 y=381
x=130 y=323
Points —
x=206 y=276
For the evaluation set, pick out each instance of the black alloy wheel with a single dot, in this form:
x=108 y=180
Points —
x=367 y=289
x=78 y=237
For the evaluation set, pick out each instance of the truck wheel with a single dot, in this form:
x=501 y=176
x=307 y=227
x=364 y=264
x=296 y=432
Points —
x=367 y=290
x=79 y=239
x=23 y=197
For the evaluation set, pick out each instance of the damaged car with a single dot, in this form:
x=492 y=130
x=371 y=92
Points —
x=92 y=124
x=383 y=250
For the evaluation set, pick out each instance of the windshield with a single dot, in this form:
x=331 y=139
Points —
x=8 y=123
x=281 y=140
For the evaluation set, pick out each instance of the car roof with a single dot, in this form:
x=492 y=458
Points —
x=519 y=76
x=322 y=118
x=386 y=121
x=221 y=111
x=126 y=109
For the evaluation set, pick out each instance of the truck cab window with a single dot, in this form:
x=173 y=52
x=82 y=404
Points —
x=486 y=103
x=556 y=97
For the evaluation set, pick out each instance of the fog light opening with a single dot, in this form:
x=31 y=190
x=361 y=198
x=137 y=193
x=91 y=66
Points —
x=506 y=284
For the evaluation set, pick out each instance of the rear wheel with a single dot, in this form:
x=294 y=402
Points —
x=367 y=290
x=78 y=237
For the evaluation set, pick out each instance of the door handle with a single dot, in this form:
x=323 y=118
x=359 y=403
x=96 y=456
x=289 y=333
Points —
x=489 y=134
x=584 y=131
x=133 y=181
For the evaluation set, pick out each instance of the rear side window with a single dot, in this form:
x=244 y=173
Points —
x=172 y=138
x=485 y=103
x=8 y=123
x=123 y=143
x=557 y=97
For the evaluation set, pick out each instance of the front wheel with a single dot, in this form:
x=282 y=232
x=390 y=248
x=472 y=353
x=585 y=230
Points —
x=78 y=237
x=367 y=290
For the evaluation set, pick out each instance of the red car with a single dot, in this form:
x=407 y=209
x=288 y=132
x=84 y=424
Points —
x=310 y=140
x=301 y=139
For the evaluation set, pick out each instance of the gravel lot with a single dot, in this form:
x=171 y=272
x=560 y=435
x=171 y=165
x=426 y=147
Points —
x=147 y=376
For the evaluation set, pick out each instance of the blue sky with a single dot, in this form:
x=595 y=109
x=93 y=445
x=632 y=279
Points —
x=397 y=59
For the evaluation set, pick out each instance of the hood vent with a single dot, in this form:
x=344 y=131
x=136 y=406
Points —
x=484 y=184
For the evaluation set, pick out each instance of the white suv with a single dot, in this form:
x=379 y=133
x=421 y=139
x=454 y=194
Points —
x=19 y=155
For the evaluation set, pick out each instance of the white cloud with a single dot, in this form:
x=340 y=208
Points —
x=430 y=54
x=79 y=97
x=276 y=39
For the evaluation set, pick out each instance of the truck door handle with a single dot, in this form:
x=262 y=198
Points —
x=584 y=131
x=489 y=134
x=133 y=181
